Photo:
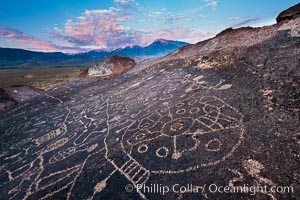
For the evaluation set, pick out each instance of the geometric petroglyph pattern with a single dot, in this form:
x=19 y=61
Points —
x=205 y=129
x=160 y=122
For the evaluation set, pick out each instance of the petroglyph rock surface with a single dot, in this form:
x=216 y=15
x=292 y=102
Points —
x=228 y=117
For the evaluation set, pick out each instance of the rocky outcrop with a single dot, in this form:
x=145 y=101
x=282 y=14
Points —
x=114 y=65
x=269 y=54
x=291 y=13
x=242 y=37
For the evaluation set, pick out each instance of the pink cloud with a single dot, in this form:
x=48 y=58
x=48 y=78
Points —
x=100 y=28
x=105 y=29
x=29 y=41
x=10 y=33
x=39 y=44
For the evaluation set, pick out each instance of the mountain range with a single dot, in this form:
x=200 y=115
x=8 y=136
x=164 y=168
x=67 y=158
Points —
x=20 y=58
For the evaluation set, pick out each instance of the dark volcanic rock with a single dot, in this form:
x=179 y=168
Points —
x=291 y=13
x=10 y=97
x=221 y=113
x=6 y=101
x=23 y=93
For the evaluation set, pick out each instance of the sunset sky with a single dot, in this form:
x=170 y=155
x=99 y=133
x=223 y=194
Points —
x=82 y=25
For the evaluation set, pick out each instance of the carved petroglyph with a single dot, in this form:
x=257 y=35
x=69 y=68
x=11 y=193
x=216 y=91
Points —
x=48 y=136
x=163 y=123
x=253 y=169
x=203 y=128
x=207 y=124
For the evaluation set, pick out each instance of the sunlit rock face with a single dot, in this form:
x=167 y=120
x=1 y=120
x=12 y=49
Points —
x=114 y=65
x=100 y=70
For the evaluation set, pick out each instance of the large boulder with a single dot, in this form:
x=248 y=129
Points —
x=114 y=65
x=291 y=13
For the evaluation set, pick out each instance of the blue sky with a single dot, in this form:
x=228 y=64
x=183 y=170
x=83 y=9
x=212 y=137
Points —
x=82 y=25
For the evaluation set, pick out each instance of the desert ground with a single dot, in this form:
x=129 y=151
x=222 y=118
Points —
x=42 y=78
